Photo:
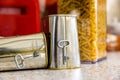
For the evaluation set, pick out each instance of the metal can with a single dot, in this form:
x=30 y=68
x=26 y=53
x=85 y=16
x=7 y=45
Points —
x=23 y=52
x=64 y=49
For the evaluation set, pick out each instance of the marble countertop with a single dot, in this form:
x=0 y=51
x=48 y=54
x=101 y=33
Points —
x=108 y=69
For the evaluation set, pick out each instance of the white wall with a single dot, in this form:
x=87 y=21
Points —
x=113 y=10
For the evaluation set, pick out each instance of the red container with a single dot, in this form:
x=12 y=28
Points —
x=50 y=8
x=19 y=17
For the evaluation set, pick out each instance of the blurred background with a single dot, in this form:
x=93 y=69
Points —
x=113 y=25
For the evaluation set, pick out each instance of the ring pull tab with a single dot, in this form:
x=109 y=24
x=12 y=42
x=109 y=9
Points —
x=19 y=60
x=63 y=44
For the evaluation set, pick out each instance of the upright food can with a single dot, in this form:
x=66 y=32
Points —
x=23 y=52
x=64 y=48
x=91 y=17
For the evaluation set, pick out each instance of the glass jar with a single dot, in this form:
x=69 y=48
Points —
x=91 y=19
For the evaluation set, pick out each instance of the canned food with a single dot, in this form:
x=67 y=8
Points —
x=64 y=46
x=23 y=52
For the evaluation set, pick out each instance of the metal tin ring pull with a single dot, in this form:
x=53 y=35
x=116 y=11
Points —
x=63 y=44
x=19 y=60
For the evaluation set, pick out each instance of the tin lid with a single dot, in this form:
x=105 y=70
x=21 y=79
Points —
x=63 y=15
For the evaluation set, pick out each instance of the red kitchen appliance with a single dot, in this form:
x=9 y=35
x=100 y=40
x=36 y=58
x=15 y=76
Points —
x=19 y=17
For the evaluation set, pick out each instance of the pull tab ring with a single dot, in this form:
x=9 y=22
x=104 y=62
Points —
x=21 y=64
x=63 y=43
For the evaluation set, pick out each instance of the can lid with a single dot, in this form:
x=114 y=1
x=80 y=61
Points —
x=63 y=15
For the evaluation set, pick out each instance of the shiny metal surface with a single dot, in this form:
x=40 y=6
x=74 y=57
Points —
x=64 y=41
x=23 y=52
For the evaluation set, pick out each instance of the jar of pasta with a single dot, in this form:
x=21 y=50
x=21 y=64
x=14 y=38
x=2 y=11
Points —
x=91 y=18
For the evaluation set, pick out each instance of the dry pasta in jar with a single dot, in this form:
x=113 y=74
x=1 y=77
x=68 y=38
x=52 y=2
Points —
x=91 y=18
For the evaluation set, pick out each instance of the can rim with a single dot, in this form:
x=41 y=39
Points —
x=61 y=15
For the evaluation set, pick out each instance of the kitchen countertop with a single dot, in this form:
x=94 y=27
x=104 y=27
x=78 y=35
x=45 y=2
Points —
x=108 y=69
